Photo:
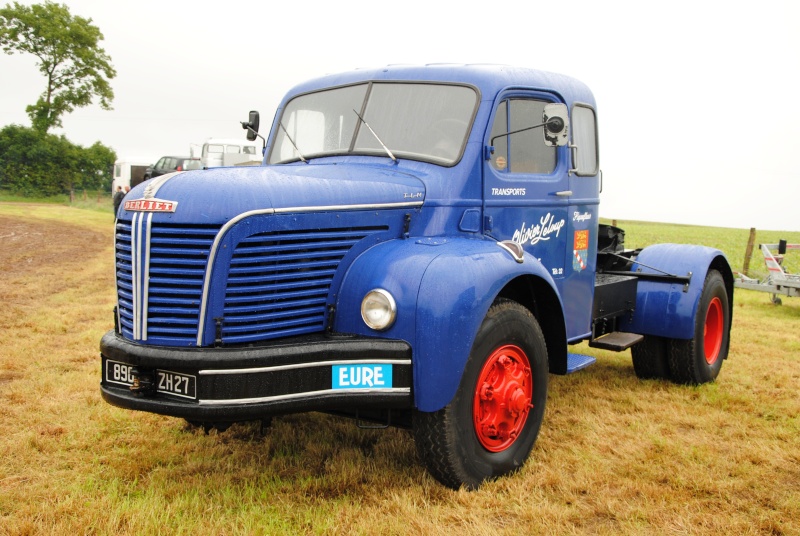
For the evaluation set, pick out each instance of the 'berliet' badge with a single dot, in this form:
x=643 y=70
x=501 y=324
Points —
x=150 y=205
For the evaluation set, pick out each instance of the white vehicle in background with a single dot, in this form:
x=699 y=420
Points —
x=129 y=172
x=218 y=152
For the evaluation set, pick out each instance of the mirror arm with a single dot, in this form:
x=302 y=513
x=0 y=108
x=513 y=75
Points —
x=246 y=126
x=559 y=124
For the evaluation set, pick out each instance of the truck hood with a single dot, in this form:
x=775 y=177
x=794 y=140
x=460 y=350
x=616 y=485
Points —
x=217 y=195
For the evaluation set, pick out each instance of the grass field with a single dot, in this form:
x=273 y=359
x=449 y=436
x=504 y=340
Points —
x=615 y=456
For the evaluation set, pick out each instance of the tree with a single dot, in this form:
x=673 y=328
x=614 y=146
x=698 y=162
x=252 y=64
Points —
x=95 y=166
x=32 y=163
x=69 y=56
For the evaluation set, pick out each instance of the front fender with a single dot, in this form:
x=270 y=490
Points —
x=443 y=288
x=668 y=309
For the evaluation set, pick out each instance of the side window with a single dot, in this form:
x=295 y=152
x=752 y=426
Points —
x=518 y=148
x=584 y=137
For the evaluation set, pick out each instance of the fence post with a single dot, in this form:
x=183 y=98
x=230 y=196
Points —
x=748 y=253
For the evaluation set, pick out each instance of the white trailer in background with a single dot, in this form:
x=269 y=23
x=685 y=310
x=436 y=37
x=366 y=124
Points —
x=777 y=282
x=129 y=172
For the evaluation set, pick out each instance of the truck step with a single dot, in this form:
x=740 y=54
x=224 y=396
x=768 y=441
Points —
x=616 y=341
x=576 y=362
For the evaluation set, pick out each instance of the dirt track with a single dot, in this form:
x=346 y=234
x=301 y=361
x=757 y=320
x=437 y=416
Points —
x=33 y=252
x=25 y=245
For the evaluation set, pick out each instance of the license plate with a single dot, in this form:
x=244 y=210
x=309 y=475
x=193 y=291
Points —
x=167 y=382
x=361 y=376
x=175 y=383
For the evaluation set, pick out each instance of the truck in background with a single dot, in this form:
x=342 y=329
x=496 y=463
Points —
x=223 y=152
x=421 y=247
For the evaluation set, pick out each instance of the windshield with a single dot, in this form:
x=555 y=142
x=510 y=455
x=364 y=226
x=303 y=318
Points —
x=414 y=120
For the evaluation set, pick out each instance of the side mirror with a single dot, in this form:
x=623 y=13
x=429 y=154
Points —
x=252 y=125
x=556 y=124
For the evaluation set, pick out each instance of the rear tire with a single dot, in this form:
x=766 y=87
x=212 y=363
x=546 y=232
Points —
x=490 y=426
x=699 y=359
x=651 y=358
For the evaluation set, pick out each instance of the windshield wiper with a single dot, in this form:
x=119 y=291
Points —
x=293 y=143
x=376 y=136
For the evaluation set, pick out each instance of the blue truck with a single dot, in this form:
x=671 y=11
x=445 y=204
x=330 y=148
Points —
x=420 y=247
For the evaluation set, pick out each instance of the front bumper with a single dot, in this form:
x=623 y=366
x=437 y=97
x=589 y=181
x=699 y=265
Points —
x=246 y=383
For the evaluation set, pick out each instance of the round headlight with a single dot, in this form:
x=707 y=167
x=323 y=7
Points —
x=378 y=309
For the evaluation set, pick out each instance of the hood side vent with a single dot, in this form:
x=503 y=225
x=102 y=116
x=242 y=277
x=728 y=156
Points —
x=279 y=281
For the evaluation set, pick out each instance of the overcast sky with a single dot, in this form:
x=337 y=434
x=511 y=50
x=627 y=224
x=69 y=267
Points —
x=697 y=100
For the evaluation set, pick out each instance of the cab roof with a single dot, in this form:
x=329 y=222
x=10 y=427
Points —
x=488 y=78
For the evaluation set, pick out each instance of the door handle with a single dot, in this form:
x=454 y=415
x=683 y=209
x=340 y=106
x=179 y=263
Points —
x=563 y=193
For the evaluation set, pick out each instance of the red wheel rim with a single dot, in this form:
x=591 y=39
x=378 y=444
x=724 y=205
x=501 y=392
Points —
x=713 y=331
x=503 y=396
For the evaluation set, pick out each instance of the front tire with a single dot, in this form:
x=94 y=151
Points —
x=699 y=359
x=490 y=426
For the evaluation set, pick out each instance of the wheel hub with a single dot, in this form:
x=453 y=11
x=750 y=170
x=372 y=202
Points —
x=713 y=331
x=503 y=396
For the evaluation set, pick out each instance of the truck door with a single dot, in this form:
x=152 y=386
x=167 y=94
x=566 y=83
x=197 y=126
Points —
x=582 y=220
x=527 y=193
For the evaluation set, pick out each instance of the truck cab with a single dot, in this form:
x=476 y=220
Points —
x=420 y=247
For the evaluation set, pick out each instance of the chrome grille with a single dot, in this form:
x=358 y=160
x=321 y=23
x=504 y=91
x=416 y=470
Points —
x=277 y=283
x=176 y=265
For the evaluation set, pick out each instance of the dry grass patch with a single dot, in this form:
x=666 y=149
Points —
x=616 y=455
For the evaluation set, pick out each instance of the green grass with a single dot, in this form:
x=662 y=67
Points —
x=615 y=456
x=95 y=200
